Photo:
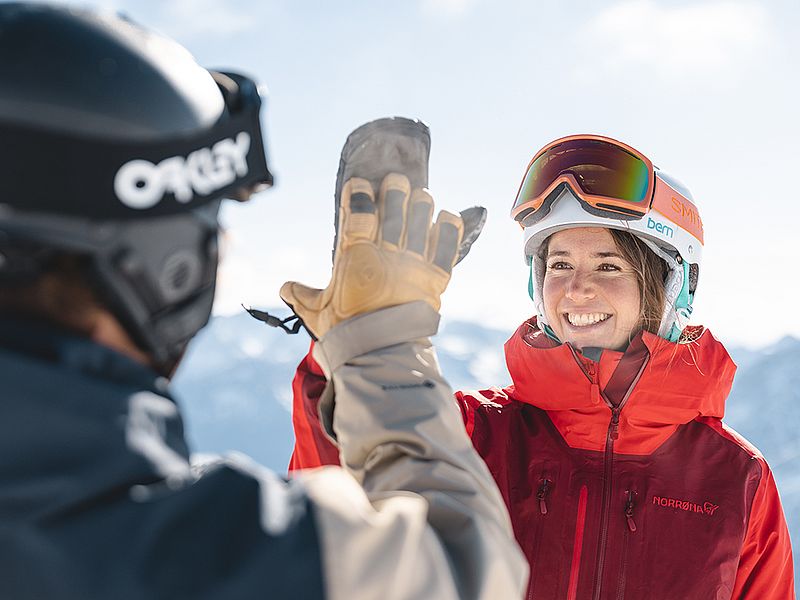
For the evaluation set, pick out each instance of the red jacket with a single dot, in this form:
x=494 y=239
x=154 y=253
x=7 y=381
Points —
x=620 y=478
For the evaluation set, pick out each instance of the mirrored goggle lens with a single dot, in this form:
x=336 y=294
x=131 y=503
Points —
x=600 y=169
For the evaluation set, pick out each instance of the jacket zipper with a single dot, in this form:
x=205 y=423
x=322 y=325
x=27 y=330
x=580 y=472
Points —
x=541 y=496
x=611 y=436
x=630 y=530
x=608 y=460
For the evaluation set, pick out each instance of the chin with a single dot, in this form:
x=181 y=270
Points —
x=581 y=344
x=616 y=344
x=590 y=341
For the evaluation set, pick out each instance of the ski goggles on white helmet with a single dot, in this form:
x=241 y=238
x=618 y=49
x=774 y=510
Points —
x=614 y=183
x=612 y=179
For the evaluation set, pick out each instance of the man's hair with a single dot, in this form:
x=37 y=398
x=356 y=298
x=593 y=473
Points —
x=61 y=294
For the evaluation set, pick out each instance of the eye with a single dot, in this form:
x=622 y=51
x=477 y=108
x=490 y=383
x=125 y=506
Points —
x=558 y=265
x=609 y=267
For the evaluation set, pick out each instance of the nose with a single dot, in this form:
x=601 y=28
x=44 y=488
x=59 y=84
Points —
x=580 y=287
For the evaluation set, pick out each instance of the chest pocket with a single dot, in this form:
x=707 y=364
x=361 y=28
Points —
x=676 y=542
x=557 y=522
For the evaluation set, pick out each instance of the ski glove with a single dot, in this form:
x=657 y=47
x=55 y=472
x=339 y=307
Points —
x=387 y=253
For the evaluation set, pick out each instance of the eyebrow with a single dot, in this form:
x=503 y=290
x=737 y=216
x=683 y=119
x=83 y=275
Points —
x=595 y=255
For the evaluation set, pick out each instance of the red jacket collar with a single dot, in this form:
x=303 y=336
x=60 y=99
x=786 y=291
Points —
x=658 y=383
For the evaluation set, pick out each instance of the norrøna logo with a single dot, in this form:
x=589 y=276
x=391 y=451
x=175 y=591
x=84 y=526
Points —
x=140 y=184
x=706 y=508
x=660 y=227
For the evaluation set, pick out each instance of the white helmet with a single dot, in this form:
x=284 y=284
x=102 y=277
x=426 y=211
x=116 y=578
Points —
x=595 y=181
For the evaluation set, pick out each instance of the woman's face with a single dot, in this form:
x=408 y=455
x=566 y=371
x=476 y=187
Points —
x=591 y=293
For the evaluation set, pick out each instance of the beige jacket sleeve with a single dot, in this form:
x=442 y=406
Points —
x=416 y=514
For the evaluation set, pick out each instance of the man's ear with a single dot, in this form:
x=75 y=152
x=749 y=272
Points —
x=106 y=330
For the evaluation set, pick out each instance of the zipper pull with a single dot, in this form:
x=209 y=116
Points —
x=590 y=370
x=544 y=488
x=614 y=429
x=629 y=512
x=595 y=394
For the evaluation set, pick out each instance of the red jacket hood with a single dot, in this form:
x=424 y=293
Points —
x=658 y=384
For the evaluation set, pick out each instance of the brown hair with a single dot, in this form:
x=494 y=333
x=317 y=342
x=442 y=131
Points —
x=651 y=272
x=61 y=294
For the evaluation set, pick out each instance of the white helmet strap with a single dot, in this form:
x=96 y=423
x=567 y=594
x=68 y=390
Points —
x=677 y=299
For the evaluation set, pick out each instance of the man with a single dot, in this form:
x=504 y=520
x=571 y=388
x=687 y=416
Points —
x=117 y=149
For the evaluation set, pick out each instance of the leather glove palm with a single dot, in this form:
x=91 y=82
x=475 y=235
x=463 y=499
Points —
x=387 y=253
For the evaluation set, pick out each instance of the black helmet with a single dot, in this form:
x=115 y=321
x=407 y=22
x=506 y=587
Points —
x=118 y=146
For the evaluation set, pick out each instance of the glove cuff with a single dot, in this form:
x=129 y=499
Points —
x=373 y=331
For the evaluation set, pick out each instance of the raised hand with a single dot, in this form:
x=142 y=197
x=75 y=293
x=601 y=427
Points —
x=388 y=253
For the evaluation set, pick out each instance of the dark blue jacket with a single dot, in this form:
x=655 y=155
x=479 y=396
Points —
x=97 y=499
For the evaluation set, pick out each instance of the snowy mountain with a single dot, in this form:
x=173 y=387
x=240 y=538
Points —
x=235 y=384
x=235 y=389
x=764 y=406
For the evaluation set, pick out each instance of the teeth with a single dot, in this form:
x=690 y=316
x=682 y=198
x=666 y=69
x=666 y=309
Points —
x=584 y=319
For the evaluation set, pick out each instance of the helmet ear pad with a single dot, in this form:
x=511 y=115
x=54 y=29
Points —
x=678 y=291
x=158 y=280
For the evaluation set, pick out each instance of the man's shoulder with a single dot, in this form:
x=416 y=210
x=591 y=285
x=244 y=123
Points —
x=229 y=528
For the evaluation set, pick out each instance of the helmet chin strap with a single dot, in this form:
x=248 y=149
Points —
x=541 y=319
x=683 y=307
x=677 y=299
x=530 y=279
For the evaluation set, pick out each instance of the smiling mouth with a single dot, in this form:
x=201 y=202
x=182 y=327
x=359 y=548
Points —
x=585 y=319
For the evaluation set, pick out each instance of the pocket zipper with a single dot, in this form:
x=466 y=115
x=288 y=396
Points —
x=629 y=511
x=544 y=489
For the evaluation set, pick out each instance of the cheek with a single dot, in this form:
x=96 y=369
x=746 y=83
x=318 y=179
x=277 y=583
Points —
x=626 y=298
x=552 y=290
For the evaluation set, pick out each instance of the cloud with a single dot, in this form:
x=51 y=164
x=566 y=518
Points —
x=205 y=17
x=447 y=8
x=677 y=40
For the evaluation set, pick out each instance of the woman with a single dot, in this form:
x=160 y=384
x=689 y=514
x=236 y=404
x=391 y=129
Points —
x=620 y=478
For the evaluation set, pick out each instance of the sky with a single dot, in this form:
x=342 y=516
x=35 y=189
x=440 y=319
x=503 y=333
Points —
x=706 y=88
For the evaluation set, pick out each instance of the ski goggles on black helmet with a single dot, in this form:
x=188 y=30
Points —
x=610 y=178
x=144 y=210
x=122 y=179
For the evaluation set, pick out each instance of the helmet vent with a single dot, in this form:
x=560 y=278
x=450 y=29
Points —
x=179 y=276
